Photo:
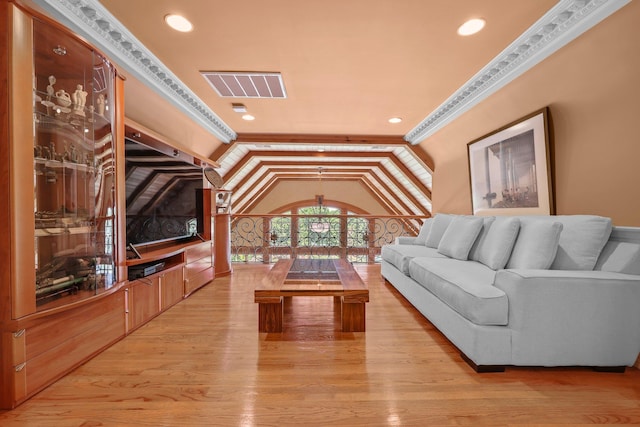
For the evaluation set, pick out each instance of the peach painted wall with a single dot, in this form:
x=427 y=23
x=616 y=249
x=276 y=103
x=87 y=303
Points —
x=592 y=88
x=349 y=192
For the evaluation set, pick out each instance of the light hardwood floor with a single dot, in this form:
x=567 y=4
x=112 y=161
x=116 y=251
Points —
x=203 y=363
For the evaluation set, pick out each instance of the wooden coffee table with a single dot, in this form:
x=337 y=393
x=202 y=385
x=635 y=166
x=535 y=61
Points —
x=301 y=277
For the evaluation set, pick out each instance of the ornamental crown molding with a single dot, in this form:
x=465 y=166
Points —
x=567 y=20
x=94 y=22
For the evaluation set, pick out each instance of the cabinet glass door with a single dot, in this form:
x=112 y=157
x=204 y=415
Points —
x=74 y=176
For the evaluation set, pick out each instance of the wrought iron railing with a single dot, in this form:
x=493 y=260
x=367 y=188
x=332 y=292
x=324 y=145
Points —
x=357 y=238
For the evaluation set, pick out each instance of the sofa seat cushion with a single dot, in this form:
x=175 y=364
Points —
x=400 y=255
x=465 y=286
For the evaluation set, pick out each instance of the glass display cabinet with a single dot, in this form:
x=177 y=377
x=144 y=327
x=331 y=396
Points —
x=73 y=169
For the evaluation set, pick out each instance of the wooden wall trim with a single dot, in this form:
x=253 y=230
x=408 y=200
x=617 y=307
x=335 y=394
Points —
x=5 y=209
x=423 y=156
x=121 y=220
x=23 y=280
x=320 y=139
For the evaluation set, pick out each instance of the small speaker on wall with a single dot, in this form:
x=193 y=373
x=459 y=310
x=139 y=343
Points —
x=213 y=177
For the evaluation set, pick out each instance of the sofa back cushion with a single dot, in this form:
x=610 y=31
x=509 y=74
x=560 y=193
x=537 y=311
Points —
x=438 y=227
x=622 y=252
x=496 y=247
x=581 y=241
x=621 y=257
x=474 y=253
x=421 y=239
x=536 y=245
x=459 y=236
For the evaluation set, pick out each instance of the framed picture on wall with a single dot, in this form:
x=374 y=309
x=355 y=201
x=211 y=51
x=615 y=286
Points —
x=510 y=169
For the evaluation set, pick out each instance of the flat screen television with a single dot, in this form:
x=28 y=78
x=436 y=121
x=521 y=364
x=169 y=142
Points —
x=162 y=191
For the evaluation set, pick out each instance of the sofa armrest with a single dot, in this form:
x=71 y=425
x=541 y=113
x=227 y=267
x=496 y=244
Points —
x=405 y=240
x=579 y=316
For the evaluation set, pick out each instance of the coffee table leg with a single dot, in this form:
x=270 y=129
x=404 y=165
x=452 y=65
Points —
x=270 y=316
x=353 y=316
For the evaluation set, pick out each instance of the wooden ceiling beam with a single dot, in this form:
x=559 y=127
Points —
x=270 y=185
x=355 y=175
x=237 y=167
x=405 y=171
x=425 y=158
x=387 y=204
x=292 y=154
x=221 y=151
x=263 y=192
x=263 y=163
x=321 y=159
x=318 y=154
x=379 y=184
x=318 y=163
x=275 y=138
x=408 y=195
x=297 y=175
x=238 y=206
x=410 y=176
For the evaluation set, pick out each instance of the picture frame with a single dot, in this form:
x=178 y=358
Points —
x=510 y=169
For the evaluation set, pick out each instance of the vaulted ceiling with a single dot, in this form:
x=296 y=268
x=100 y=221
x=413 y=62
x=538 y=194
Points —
x=347 y=66
x=398 y=175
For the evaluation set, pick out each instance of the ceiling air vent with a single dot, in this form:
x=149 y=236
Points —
x=246 y=85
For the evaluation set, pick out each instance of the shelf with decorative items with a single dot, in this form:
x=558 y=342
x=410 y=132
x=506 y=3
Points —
x=73 y=167
x=63 y=264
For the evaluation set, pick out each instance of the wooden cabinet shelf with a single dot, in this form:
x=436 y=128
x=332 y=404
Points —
x=160 y=251
x=65 y=289
x=61 y=269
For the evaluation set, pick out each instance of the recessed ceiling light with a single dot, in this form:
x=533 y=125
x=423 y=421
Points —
x=470 y=27
x=178 y=23
x=248 y=117
x=395 y=119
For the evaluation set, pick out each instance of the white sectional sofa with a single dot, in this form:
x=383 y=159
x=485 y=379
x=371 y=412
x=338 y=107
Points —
x=527 y=290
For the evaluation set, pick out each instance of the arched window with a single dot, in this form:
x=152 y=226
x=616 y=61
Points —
x=319 y=226
x=327 y=230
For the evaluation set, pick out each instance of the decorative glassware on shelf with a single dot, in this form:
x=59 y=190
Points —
x=74 y=169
